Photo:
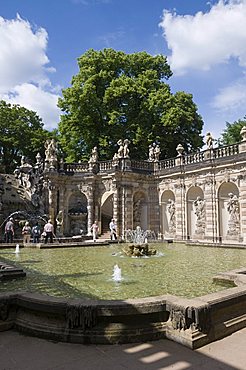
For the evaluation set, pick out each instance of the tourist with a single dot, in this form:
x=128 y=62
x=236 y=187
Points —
x=94 y=229
x=48 y=232
x=112 y=228
x=9 y=231
x=36 y=233
x=26 y=232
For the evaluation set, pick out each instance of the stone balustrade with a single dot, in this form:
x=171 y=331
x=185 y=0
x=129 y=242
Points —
x=144 y=166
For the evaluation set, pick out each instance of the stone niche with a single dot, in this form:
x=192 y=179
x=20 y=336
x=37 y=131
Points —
x=77 y=214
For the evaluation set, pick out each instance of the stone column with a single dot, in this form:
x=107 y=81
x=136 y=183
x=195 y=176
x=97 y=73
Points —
x=127 y=211
x=180 y=210
x=116 y=207
x=211 y=211
x=90 y=210
x=242 y=205
x=60 y=228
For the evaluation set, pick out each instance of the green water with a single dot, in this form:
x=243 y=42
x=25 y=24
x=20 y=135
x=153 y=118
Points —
x=87 y=272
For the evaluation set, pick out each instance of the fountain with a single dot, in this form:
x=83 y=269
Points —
x=139 y=236
x=117 y=273
x=140 y=247
x=17 y=249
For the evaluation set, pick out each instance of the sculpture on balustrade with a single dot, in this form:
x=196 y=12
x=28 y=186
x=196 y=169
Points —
x=199 y=205
x=151 y=152
x=51 y=152
x=157 y=153
x=172 y=216
x=93 y=161
x=209 y=140
x=94 y=155
x=154 y=152
x=126 y=149
x=123 y=150
x=233 y=210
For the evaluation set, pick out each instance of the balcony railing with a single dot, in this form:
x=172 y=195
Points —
x=154 y=167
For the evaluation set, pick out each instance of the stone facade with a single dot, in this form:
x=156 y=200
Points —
x=197 y=197
x=200 y=197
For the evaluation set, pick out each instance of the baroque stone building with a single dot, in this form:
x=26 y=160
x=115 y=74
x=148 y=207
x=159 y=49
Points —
x=199 y=196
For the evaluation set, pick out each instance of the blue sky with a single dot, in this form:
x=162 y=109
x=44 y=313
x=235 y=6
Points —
x=205 y=43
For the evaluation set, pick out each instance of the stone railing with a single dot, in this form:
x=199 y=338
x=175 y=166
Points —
x=76 y=167
x=156 y=167
x=105 y=166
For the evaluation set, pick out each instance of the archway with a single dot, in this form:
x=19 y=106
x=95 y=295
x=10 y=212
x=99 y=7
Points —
x=229 y=225
x=106 y=211
x=77 y=214
x=195 y=213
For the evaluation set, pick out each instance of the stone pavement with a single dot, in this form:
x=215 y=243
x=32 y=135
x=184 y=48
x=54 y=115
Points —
x=19 y=352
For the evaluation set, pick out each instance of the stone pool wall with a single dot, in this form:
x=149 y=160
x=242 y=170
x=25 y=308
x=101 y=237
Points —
x=191 y=322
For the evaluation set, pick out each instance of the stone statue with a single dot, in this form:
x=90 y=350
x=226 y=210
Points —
x=94 y=155
x=151 y=152
x=157 y=152
x=126 y=149
x=51 y=154
x=172 y=215
x=121 y=149
x=199 y=205
x=209 y=140
x=233 y=209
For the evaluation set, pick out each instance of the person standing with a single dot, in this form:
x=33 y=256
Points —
x=112 y=228
x=49 y=231
x=36 y=233
x=9 y=231
x=94 y=229
x=26 y=232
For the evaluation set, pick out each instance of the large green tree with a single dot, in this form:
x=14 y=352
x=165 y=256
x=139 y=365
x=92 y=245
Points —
x=117 y=96
x=21 y=133
x=231 y=134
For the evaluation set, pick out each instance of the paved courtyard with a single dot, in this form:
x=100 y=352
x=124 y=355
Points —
x=19 y=352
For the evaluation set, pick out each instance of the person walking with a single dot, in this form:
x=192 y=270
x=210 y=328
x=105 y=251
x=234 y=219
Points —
x=112 y=228
x=94 y=229
x=49 y=231
x=26 y=232
x=36 y=233
x=9 y=231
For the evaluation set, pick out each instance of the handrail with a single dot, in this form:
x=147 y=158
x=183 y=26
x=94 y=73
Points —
x=124 y=164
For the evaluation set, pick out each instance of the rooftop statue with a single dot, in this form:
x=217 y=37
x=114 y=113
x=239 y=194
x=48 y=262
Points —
x=123 y=150
x=209 y=140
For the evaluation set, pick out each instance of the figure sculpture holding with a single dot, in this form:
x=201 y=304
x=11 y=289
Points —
x=172 y=216
x=151 y=152
x=121 y=149
x=209 y=140
x=157 y=152
x=199 y=205
x=126 y=149
x=51 y=153
x=94 y=155
x=233 y=209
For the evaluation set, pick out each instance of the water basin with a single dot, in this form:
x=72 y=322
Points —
x=86 y=272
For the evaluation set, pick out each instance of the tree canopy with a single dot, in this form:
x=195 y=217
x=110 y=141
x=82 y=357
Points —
x=231 y=134
x=21 y=133
x=124 y=96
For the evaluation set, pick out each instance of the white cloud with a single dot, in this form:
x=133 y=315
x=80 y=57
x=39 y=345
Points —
x=38 y=100
x=24 y=69
x=206 y=39
x=231 y=98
